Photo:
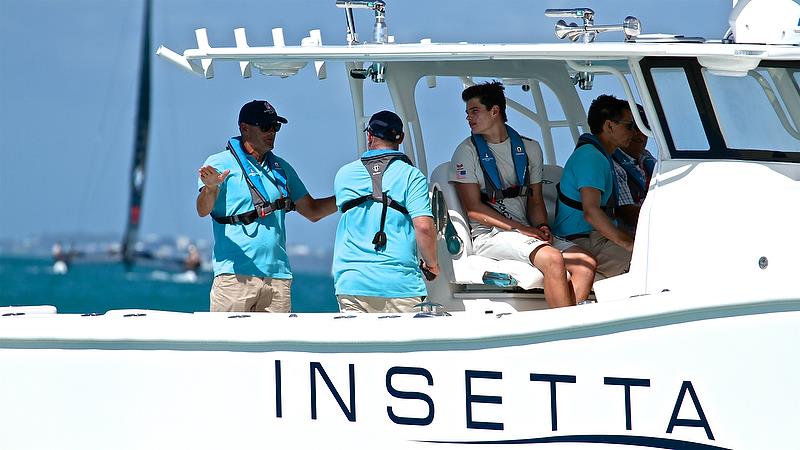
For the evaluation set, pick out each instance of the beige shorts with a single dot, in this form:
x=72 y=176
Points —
x=245 y=293
x=500 y=244
x=370 y=304
x=611 y=258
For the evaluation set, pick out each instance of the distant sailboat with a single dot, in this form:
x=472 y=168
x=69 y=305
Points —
x=137 y=173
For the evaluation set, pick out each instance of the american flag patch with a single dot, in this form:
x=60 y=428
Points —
x=461 y=173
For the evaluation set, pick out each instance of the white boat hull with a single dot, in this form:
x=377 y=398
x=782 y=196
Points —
x=705 y=377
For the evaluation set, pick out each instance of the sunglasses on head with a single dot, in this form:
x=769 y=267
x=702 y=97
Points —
x=275 y=126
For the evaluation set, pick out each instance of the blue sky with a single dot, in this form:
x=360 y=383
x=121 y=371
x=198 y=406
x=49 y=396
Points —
x=68 y=91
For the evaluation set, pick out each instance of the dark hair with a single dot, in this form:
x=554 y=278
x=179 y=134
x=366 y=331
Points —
x=489 y=94
x=605 y=107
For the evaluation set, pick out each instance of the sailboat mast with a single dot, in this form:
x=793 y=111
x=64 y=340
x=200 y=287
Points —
x=137 y=173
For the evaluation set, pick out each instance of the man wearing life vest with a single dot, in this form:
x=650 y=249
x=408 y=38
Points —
x=386 y=217
x=498 y=177
x=586 y=200
x=248 y=190
x=633 y=167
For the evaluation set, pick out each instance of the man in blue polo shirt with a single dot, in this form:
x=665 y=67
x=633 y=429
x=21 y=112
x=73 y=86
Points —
x=248 y=190
x=587 y=189
x=386 y=216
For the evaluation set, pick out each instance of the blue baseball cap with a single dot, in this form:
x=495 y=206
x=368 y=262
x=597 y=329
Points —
x=386 y=125
x=259 y=113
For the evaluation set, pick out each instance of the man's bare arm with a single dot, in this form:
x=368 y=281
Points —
x=314 y=209
x=470 y=196
x=425 y=233
x=597 y=218
x=537 y=210
x=211 y=179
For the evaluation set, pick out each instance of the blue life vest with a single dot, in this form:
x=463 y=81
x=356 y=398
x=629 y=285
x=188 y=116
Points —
x=637 y=183
x=588 y=138
x=261 y=203
x=494 y=184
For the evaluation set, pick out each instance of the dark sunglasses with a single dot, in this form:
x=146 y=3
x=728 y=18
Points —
x=275 y=126
x=629 y=124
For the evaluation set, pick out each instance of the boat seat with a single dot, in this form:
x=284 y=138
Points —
x=470 y=269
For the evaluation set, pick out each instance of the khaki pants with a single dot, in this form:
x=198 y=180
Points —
x=245 y=293
x=611 y=258
x=370 y=304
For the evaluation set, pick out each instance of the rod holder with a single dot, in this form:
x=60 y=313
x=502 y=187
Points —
x=380 y=31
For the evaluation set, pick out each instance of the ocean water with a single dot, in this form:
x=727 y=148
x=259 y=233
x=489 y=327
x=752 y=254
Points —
x=96 y=287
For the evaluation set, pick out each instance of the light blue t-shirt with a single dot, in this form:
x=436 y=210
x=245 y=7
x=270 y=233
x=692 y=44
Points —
x=586 y=167
x=259 y=248
x=358 y=269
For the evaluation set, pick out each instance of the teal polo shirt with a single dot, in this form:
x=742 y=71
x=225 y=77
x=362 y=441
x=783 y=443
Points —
x=358 y=269
x=257 y=249
x=586 y=167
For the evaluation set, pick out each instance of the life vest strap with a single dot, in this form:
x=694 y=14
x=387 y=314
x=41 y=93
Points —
x=574 y=204
x=491 y=175
x=376 y=166
x=350 y=204
x=509 y=192
x=260 y=211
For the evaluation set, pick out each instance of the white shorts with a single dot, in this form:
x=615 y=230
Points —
x=501 y=244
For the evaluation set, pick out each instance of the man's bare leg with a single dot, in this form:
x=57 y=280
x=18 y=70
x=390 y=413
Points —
x=582 y=266
x=549 y=261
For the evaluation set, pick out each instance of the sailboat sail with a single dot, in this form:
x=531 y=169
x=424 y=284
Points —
x=137 y=173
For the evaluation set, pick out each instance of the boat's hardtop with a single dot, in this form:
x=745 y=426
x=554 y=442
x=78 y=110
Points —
x=483 y=51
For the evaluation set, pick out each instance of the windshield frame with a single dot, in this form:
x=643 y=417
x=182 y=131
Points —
x=718 y=149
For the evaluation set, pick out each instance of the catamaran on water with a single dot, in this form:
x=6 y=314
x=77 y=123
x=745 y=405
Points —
x=693 y=348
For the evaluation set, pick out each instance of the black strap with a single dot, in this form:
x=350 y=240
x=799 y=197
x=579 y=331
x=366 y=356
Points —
x=574 y=204
x=251 y=216
x=572 y=237
x=509 y=192
x=350 y=204
x=380 y=237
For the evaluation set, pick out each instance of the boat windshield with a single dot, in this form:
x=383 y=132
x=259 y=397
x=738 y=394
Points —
x=706 y=114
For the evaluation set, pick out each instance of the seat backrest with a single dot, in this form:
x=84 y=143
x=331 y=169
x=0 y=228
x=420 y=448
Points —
x=439 y=177
x=551 y=175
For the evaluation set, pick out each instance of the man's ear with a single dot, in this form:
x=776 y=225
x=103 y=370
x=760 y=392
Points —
x=607 y=126
x=402 y=136
x=495 y=110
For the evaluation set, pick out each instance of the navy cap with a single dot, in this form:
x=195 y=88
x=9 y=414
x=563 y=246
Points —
x=386 y=125
x=259 y=113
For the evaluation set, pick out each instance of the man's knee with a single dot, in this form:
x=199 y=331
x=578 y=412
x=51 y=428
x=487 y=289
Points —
x=548 y=259
x=583 y=261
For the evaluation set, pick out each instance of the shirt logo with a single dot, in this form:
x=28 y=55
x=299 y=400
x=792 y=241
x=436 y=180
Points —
x=461 y=173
